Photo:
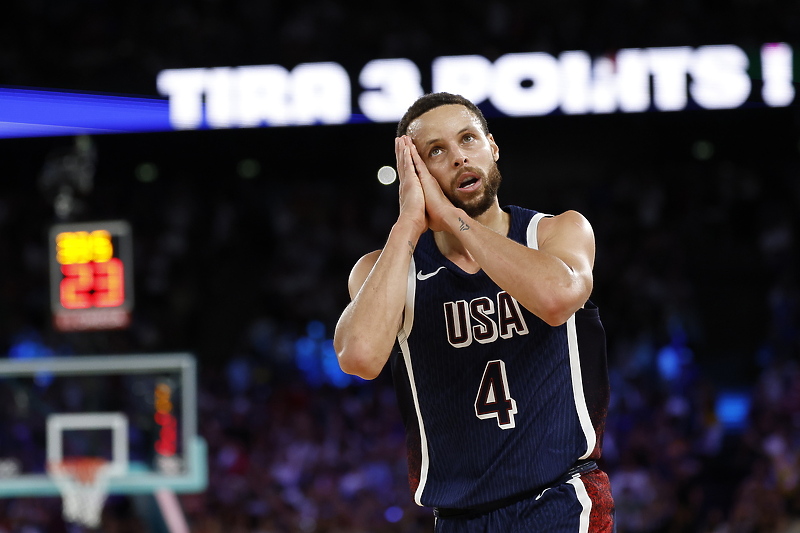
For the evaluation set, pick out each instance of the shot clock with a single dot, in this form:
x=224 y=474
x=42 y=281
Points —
x=91 y=275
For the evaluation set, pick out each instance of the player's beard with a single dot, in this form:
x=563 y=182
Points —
x=475 y=207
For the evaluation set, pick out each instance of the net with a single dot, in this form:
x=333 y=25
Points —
x=83 y=483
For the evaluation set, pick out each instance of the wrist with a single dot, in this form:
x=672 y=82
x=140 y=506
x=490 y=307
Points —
x=409 y=225
x=407 y=230
x=405 y=235
x=457 y=220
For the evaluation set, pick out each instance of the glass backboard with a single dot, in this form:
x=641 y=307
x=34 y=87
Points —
x=139 y=412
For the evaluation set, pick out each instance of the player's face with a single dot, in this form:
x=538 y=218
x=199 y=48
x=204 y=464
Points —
x=459 y=155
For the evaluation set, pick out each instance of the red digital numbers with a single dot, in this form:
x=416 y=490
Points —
x=92 y=276
x=88 y=285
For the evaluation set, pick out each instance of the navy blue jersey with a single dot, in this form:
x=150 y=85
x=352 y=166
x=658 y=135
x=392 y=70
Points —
x=495 y=401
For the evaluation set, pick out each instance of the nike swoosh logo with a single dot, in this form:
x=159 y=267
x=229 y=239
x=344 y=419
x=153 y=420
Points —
x=421 y=276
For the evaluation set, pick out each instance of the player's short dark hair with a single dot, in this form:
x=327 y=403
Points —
x=426 y=102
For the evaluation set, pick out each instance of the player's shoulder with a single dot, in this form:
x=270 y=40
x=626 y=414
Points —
x=570 y=222
x=572 y=217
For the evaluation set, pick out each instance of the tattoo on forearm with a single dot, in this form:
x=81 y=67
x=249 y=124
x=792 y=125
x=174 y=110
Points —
x=464 y=225
x=410 y=248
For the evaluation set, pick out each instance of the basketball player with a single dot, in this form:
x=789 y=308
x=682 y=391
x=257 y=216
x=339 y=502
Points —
x=501 y=372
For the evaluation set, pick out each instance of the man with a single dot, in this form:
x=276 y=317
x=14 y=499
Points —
x=501 y=372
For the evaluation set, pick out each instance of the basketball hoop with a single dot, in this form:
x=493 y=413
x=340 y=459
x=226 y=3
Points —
x=83 y=483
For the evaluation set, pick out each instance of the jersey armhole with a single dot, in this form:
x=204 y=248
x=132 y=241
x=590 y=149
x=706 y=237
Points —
x=532 y=234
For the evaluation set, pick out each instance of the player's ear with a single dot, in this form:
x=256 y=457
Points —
x=494 y=147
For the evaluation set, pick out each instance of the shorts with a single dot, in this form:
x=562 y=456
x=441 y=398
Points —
x=580 y=505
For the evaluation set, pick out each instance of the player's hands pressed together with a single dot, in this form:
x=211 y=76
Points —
x=412 y=197
x=412 y=170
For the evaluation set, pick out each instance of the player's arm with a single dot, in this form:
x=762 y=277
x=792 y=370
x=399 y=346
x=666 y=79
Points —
x=366 y=331
x=552 y=282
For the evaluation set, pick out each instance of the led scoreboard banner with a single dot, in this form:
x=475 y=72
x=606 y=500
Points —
x=91 y=275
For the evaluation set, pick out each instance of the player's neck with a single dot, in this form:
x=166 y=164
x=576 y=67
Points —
x=496 y=219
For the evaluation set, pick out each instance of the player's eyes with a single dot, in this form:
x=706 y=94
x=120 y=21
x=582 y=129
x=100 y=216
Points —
x=434 y=152
x=468 y=137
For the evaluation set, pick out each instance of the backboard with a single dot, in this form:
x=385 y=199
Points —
x=139 y=412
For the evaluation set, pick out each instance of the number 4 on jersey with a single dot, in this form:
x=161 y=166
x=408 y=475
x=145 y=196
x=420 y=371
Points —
x=494 y=399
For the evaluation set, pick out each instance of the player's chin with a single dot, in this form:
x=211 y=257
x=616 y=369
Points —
x=477 y=206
